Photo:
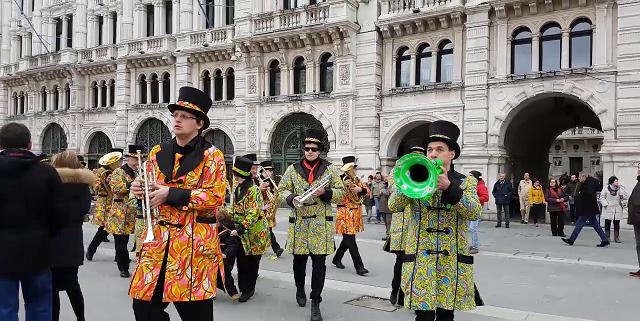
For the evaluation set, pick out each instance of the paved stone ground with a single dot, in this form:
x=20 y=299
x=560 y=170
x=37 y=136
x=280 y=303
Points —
x=523 y=273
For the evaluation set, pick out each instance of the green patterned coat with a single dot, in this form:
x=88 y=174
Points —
x=399 y=220
x=247 y=212
x=431 y=277
x=311 y=227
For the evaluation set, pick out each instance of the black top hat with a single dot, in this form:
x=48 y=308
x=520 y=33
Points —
x=116 y=150
x=267 y=164
x=446 y=132
x=418 y=149
x=133 y=150
x=253 y=158
x=476 y=174
x=81 y=160
x=315 y=136
x=194 y=101
x=242 y=166
x=348 y=159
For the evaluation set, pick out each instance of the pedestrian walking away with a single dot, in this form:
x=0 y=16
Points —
x=586 y=203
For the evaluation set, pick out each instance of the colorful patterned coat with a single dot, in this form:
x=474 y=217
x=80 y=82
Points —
x=247 y=212
x=184 y=224
x=431 y=277
x=121 y=217
x=399 y=220
x=349 y=213
x=103 y=199
x=311 y=227
x=271 y=208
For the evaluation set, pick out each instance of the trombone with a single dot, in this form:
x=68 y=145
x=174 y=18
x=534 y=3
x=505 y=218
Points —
x=146 y=208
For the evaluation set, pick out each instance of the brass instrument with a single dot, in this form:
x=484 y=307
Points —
x=351 y=180
x=416 y=176
x=268 y=192
x=299 y=201
x=148 y=180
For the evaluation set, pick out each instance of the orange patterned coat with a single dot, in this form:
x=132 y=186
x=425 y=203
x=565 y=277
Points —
x=349 y=214
x=194 y=256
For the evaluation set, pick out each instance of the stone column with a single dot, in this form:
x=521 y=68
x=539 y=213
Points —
x=80 y=27
x=224 y=87
x=15 y=48
x=108 y=102
x=198 y=18
x=218 y=13
x=183 y=71
x=535 y=52
x=123 y=100
x=25 y=46
x=267 y=88
x=412 y=70
x=91 y=36
x=107 y=34
x=564 y=60
x=288 y=84
x=603 y=47
x=99 y=95
x=158 y=19
x=458 y=53
x=126 y=21
x=186 y=15
x=65 y=30
x=175 y=18
x=149 y=90
x=434 y=65
x=160 y=91
x=503 y=48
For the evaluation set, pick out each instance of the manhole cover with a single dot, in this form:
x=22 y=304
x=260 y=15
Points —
x=373 y=302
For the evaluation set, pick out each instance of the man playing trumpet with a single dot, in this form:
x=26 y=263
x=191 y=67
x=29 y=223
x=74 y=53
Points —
x=309 y=186
x=181 y=263
x=349 y=216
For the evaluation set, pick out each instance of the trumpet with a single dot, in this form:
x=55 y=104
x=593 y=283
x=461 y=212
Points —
x=268 y=192
x=351 y=180
x=149 y=179
x=298 y=202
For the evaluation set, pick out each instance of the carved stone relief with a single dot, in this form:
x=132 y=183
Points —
x=345 y=123
x=345 y=75
x=251 y=87
x=251 y=126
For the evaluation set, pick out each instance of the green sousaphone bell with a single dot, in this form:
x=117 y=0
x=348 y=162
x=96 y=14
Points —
x=416 y=176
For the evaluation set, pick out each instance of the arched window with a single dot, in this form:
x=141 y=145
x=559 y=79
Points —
x=403 y=66
x=299 y=76
x=231 y=84
x=94 y=94
x=98 y=146
x=43 y=98
x=155 y=89
x=550 y=47
x=326 y=73
x=166 y=87
x=112 y=92
x=445 y=62
x=142 y=88
x=274 y=78
x=56 y=98
x=581 y=43
x=206 y=82
x=67 y=96
x=217 y=85
x=15 y=103
x=22 y=103
x=521 y=51
x=423 y=64
x=103 y=94
x=152 y=132
x=54 y=140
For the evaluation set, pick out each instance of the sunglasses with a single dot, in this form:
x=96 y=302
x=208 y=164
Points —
x=311 y=149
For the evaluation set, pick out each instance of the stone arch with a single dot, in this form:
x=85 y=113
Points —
x=226 y=129
x=53 y=139
x=89 y=135
x=395 y=132
x=266 y=137
x=139 y=127
x=93 y=152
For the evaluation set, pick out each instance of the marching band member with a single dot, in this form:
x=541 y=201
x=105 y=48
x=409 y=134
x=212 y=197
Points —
x=181 y=264
x=437 y=274
x=254 y=167
x=108 y=163
x=270 y=195
x=349 y=216
x=250 y=224
x=311 y=228
x=120 y=220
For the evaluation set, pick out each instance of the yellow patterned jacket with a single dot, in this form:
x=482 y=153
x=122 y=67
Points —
x=103 y=196
x=249 y=219
x=311 y=228
x=121 y=217
x=185 y=224
x=437 y=271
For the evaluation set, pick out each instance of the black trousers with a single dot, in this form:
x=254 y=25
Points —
x=397 y=274
x=437 y=315
x=557 y=223
x=537 y=211
x=122 y=254
x=229 y=284
x=318 y=273
x=349 y=243
x=274 y=243
x=100 y=235
x=66 y=279
x=248 y=266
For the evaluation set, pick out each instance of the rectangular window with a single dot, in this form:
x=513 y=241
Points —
x=114 y=27
x=209 y=11
x=150 y=19
x=70 y=31
x=229 y=12
x=100 y=35
x=168 y=18
x=58 y=33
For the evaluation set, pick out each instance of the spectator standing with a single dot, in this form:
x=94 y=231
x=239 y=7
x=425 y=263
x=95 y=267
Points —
x=483 y=196
x=368 y=199
x=502 y=194
x=30 y=214
x=67 y=248
x=523 y=193
x=376 y=187
x=384 y=208
x=613 y=199
x=586 y=203
x=634 y=218
x=536 y=201
x=569 y=191
x=556 y=206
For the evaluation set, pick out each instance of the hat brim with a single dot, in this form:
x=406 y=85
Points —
x=348 y=166
x=235 y=172
x=451 y=143
x=200 y=115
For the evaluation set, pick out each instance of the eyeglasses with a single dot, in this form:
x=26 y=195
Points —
x=182 y=116
x=311 y=149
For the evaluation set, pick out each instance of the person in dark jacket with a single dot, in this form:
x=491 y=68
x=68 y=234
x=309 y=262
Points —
x=30 y=214
x=67 y=249
x=634 y=218
x=502 y=193
x=230 y=244
x=586 y=202
x=556 y=206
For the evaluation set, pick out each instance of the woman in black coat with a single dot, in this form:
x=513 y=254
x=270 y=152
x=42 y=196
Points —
x=67 y=248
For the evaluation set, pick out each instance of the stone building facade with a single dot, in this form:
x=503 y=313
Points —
x=514 y=75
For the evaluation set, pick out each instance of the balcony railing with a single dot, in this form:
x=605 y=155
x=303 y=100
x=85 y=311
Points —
x=158 y=44
x=43 y=60
x=288 y=19
x=391 y=8
x=205 y=38
x=580 y=132
x=102 y=53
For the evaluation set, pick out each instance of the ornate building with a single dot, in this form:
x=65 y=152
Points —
x=514 y=75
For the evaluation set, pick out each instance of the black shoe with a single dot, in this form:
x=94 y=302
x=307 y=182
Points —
x=125 y=274
x=315 y=311
x=401 y=298
x=89 y=256
x=506 y=225
x=498 y=225
x=568 y=241
x=393 y=298
x=279 y=252
x=522 y=221
x=338 y=264
x=245 y=296
x=362 y=271
x=301 y=298
x=562 y=235
x=603 y=244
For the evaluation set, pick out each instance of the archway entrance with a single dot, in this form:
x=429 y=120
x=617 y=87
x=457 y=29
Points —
x=98 y=146
x=54 y=140
x=286 y=142
x=417 y=134
x=151 y=133
x=540 y=138
x=221 y=140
